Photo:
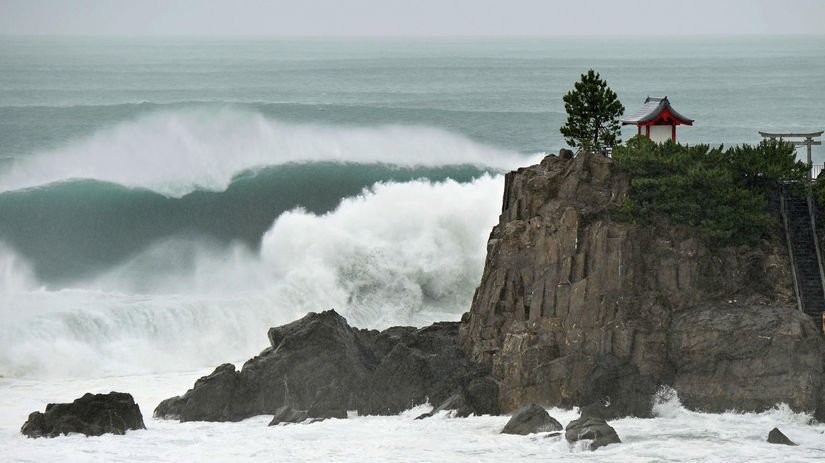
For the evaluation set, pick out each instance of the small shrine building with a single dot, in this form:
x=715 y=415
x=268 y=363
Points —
x=658 y=118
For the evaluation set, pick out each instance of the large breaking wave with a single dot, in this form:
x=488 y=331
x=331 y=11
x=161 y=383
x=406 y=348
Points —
x=177 y=152
x=174 y=241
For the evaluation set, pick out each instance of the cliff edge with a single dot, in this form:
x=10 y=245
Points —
x=575 y=308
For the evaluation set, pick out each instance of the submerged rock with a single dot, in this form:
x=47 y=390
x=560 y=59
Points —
x=92 y=415
x=322 y=365
x=575 y=307
x=531 y=419
x=776 y=437
x=591 y=428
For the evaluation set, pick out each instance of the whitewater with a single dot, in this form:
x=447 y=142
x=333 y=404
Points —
x=162 y=204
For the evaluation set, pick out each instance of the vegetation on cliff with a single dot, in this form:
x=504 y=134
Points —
x=722 y=192
x=593 y=111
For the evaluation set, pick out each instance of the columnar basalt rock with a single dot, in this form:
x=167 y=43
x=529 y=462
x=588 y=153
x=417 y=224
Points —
x=575 y=307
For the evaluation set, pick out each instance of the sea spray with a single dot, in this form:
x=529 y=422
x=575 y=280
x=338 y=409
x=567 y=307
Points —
x=400 y=253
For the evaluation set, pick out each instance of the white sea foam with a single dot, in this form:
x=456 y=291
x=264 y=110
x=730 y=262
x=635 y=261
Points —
x=686 y=436
x=175 y=152
x=408 y=253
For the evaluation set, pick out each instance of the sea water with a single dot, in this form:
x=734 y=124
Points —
x=164 y=201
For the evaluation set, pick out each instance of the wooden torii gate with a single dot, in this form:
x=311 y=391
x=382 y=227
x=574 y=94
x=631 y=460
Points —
x=808 y=141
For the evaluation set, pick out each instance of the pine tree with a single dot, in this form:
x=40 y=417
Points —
x=593 y=112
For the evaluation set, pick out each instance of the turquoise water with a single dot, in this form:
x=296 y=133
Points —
x=130 y=141
x=504 y=92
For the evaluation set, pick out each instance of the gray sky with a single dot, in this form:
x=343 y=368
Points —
x=410 y=17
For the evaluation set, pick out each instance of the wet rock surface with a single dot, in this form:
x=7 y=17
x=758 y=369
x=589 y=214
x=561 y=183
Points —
x=776 y=437
x=92 y=415
x=323 y=366
x=591 y=428
x=531 y=419
x=576 y=307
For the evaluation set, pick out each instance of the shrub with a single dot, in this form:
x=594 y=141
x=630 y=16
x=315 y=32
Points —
x=723 y=193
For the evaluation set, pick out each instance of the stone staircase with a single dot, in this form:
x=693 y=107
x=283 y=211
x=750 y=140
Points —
x=804 y=254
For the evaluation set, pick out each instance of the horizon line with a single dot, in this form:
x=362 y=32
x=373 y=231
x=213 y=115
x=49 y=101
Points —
x=411 y=36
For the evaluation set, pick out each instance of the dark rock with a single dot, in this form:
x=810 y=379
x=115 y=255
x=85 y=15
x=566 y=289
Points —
x=746 y=358
x=219 y=387
x=776 y=437
x=531 y=419
x=565 y=153
x=574 y=306
x=479 y=397
x=92 y=415
x=454 y=402
x=287 y=414
x=330 y=402
x=322 y=365
x=591 y=428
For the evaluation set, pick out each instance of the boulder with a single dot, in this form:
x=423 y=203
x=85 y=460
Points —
x=575 y=306
x=776 y=437
x=531 y=419
x=287 y=414
x=92 y=415
x=323 y=366
x=591 y=428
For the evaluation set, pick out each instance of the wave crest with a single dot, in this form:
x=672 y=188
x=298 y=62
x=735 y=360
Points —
x=177 y=152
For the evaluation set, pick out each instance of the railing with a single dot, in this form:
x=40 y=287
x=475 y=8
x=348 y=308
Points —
x=816 y=169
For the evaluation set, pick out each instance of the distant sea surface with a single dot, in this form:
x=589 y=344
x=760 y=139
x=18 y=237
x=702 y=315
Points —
x=164 y=201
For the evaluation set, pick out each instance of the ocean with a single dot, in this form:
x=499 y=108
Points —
x=163 y=202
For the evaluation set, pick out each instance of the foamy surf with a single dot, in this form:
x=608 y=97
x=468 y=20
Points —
x=177 y=152
x=398 y=254
x=681 y=436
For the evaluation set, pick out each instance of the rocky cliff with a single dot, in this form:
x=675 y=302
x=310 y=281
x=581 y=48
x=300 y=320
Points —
x=574 y=307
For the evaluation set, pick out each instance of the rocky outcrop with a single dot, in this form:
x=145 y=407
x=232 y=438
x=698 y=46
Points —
x=529 y=420
x=575 y=307
x=92 y=415
x=776 y=437
x=321 y=365
x=591 y=428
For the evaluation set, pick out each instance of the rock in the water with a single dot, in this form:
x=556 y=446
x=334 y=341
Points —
x=322 y=365
x=287 y=414
x=479 y=397
x=574 y=306
x=531 y=419
x=92 y=415
x=454 y=402
x=776 y=437
x=591 y=428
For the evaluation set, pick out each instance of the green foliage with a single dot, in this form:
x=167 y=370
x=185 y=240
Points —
x=722 y=192
x=593 y=112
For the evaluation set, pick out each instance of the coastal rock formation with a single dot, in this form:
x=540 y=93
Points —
x=776 y=437
x=92 y=415
x=322 y=365
x=531 y=419
x=591 y=428
x=575 y=307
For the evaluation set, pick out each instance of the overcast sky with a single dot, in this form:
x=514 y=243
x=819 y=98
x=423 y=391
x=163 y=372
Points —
x=410 y=17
